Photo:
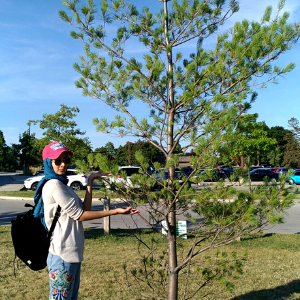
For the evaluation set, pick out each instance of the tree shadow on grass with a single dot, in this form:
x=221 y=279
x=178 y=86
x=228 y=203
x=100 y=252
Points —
x=282 y=292
x=97 y=233
x=257 y=236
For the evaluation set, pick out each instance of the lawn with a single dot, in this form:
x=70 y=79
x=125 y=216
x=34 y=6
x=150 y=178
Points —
x=270 y=272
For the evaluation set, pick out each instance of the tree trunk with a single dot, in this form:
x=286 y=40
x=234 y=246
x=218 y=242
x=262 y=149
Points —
x=106 y=220
x=172 y=255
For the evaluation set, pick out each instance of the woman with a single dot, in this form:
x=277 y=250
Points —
x=67 y=244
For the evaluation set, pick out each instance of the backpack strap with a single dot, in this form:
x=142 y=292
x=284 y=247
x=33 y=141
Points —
x=56 y=216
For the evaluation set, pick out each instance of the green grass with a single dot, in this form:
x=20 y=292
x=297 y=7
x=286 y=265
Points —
x=271 y=270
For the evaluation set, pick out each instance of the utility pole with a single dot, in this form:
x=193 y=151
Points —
x=29 y=123
x=129 y=152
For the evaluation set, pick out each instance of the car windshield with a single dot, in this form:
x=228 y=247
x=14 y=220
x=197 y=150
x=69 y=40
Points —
x=166 y=174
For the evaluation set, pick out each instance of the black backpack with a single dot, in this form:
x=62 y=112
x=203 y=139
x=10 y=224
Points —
x=31 y=240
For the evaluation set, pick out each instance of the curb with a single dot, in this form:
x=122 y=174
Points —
x=16 y=198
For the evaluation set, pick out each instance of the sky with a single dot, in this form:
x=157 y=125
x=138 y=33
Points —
x=37 y=75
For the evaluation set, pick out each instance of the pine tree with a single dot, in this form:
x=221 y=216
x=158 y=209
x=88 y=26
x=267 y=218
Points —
x=192 y=97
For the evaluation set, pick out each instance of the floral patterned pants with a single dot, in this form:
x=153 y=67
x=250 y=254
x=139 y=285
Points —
x=64 y=278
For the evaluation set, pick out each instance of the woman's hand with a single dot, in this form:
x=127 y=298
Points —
x=127 y=211
x=94 y=176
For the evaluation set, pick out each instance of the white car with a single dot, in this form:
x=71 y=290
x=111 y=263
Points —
x=130 y=170
x=76 y=181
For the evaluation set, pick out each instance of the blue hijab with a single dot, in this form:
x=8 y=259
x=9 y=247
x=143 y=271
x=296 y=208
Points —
x=38 y=199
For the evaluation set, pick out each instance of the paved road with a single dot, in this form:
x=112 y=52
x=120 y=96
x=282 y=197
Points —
x=9 y=209
x=14 y=182
x=11 y=181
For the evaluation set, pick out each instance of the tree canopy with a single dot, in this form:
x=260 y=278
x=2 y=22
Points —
x=249 y=140
x=62 y=128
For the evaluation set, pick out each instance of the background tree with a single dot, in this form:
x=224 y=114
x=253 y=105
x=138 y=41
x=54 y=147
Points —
x=249 y=137
x=149 y=152
x=8 y=156
x=291 y=157
x=29 y=153
x=122 y=155
x=61 y=127
x=294 y=125
x=275 y=156
x=108 y=150
x=196 y=99
x=2 y=152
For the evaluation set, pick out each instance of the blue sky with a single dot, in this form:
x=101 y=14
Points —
x=36 y=74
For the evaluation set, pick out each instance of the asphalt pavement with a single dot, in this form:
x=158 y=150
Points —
x=11 y=181
x=10 y=207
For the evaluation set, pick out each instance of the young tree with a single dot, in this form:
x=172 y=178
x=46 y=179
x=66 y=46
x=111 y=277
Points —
x=61 y=127
x=195 y=98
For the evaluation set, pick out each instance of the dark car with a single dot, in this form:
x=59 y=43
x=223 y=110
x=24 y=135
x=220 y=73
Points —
x=215 y=175
x=187 y=170
x=181 y=176
x=254 y=168
x=260 y=174
x=282 y=170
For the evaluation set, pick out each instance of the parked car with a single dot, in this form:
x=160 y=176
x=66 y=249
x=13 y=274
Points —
x=261 y=173
x=76 y=181
x=282 y=170
x=295 y=179
x=160 y=177
x=39 y=173
x=187 y=170
x=216 y=175
x=209 y=175
x=129 y=170
x=254 y=168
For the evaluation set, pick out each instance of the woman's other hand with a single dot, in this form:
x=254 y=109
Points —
x=127 y=211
